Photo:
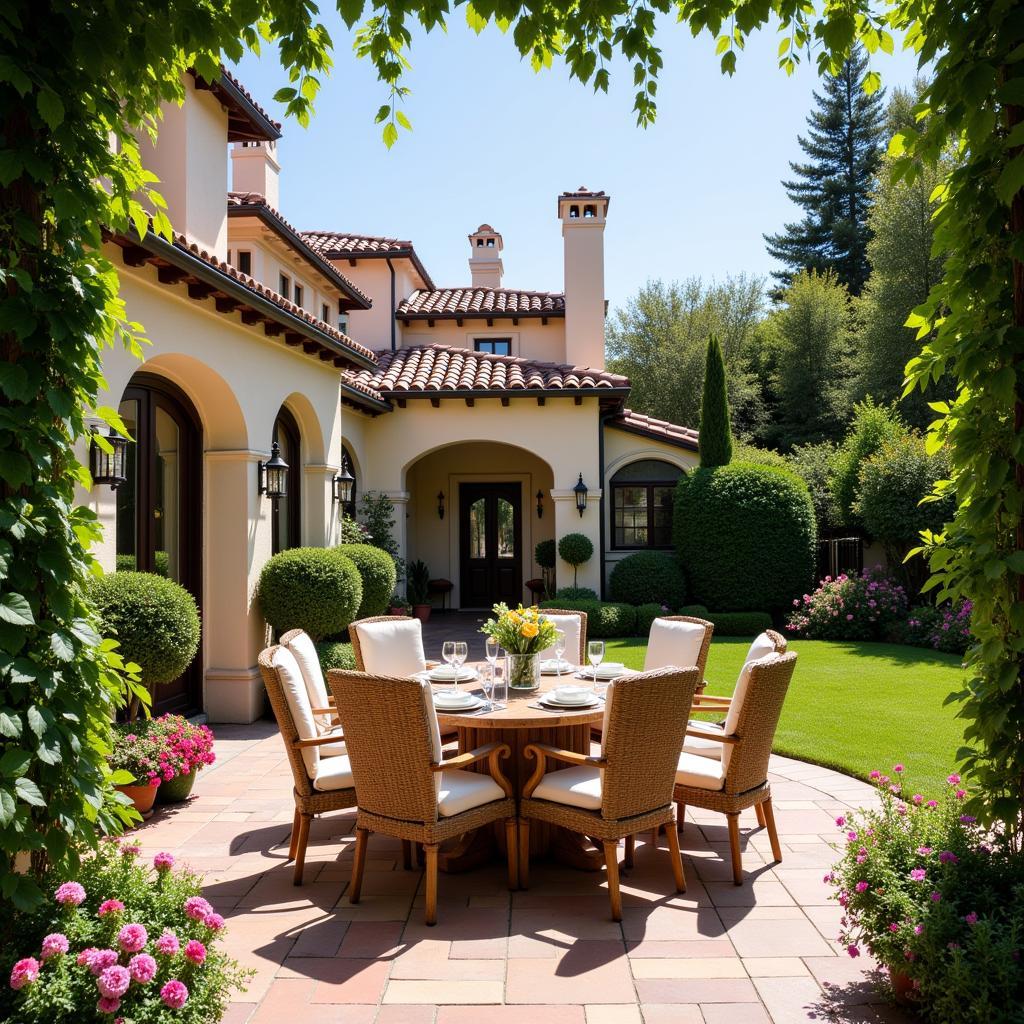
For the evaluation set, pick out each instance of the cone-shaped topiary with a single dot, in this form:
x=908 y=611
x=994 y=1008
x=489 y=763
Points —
x=715 y=439
x=379 y=576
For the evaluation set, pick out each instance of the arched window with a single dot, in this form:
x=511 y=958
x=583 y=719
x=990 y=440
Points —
x=350 y=464
x=286 y=512
x=642 y=504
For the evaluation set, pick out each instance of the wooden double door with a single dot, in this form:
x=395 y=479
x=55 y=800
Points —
x=491 y=542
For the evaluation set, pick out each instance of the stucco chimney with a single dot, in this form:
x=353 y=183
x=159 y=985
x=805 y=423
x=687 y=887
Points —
x=254 y=168
x=485 y=257
x=583 y=214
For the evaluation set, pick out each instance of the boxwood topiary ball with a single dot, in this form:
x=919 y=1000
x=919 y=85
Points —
x=576 y=548
x=648 y=576
x=335 y=654
x=318 y=590
x=154 y=619
x=378 y=574
x=544 y=554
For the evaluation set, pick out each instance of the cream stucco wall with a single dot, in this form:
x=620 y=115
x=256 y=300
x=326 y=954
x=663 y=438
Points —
x=238 y=380
x=530 y=339
x=372 y=327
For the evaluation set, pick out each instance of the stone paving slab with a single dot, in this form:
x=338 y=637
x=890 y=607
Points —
x=762 y=953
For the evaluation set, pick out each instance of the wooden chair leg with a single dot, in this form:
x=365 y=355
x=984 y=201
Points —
x=524 y=853
x=407 y=854
x=680 y=815
x=420 y=859
x=773 y=835
x=300 y=847
x=759 y=811
x=512 y=852
x=611 y=859
x=358 y=863
x=631 y=849
x=734 y=846
x=677 y=859
x=431 y=855
x=294 y=840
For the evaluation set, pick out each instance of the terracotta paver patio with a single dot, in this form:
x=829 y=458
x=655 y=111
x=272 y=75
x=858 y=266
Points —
x=718 y=954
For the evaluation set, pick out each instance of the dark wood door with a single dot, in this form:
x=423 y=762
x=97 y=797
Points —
x=159 y=508
x=491 y=531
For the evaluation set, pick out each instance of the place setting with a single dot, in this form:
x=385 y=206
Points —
x=450 y=698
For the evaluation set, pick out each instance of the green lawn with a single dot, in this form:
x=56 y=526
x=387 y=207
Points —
x=853 y=706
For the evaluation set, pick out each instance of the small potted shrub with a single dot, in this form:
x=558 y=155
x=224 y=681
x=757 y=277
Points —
x=418 y=589
x=544 y=555
x=136 y=755
x=575 y=548
x=186 y=750
x=399 y=606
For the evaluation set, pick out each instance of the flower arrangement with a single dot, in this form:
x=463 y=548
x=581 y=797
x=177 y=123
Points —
x=161 y=749
x=523 y=633
x=935 y=899
x=865 y=607
x=124 y=942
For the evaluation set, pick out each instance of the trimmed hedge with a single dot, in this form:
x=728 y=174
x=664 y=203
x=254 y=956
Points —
x=605 y=619
x=334 y=654
x=746 y=536
x=645 y=615
x=378 y=574
x=697 y=611
x=315 y=589
x=161 y=563
x=738 y=623
x=155 y=620
x=648 y=576
x=577 y=594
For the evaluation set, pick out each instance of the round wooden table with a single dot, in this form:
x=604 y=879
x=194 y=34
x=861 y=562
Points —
x=519 y=723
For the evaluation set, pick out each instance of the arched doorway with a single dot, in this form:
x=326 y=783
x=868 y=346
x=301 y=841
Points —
x=286 y=512
x=159 y=506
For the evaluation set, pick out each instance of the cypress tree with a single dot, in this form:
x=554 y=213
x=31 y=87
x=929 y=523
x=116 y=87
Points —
x=844 y=147
x=715 y=441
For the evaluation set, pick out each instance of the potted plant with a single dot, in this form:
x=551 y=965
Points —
x=575 y=548
x=523 y=633
x=399 y=606
x=186 y=749
x=544 y=556
x=135 y=757
x=417 y=589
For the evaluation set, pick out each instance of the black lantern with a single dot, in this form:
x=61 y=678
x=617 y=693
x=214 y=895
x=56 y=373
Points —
x=580 y=490
x=273 y=475
x=440 y=504
x=540 y=504
x=344 y=485
x=108 y=467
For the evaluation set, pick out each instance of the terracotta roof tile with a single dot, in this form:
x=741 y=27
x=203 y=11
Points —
x=343 y=244
x=661 y=430
x=446 y=303
x=432 y=369
x=248 y=95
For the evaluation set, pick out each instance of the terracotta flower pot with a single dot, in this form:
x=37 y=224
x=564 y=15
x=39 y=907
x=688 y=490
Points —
x=398 y=610
x=178 y=789
x=141 y=796
x=421 y=611
x=902 y=986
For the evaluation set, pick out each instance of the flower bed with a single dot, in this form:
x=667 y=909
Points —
x=124 y=941
x=161 y=749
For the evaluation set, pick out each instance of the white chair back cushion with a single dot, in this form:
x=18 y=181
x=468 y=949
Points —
x=673 y=643
x=761 y=648
x=732 y=718
x=435 y=731
x=392 y=648
x=607 y=716
x=294 y=685
x=570 y=626
x=304 y=651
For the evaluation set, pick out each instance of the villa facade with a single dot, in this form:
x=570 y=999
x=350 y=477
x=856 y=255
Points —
x=479 y=409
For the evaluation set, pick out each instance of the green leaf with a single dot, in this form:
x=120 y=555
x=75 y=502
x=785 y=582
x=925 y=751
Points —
x=29 y=792
x=60 y=644
x=8 y=807
x=15 y=762
x=121 y=778
x=51 y=110
x=36 y=721
x=10 y=726
x=390 y=134
x=16 y=610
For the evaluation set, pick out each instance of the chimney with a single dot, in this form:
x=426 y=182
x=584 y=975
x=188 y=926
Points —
x=485 y=257
x=583 y=214
x=254 y=168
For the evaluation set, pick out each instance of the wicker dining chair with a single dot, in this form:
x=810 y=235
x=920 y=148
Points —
x=680 y=640
x=388 y=645
x=740 y=778
x=304 y=650
x=404 y=788
x=628 y=787
x=561 y=617
x=320 y=783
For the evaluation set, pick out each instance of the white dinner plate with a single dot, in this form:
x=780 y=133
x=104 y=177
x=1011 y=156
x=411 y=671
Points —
x=473 y=704
x=604 y=672
x=553 y=667
x=571 y=694
x=444 y=674
x=549 y=701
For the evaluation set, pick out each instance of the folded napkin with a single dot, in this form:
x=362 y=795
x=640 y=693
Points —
x=450 y=672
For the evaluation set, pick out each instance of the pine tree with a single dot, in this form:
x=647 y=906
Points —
x=844 y=146
x=715 y=434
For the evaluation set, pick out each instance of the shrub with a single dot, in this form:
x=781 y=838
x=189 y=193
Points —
x=315 y=589
x=575 y=548
x=577 y=594
x=544 y=554
x=946 y=628
x=378 y=576
x=418 y=583
x=715 y=438
x=745 y=535
x=871 y=427
x=870 y=606
x=813 y=463
x=161 y=563
x=63 y=983
x=605 y=619
x=648 y=576
x=738 y=623
x=335 y=654
x=646 y=614
x=697 y=611
x=759 y=456
x=353 y=532
x=154 y=619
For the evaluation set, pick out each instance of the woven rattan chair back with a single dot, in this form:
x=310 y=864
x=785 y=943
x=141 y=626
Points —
x=778 y=639
x=582 y=616
x=388 y=736
x=758 y=720
x=705 y=644
x=646 y=723
x=353 y=635
x=285 y=721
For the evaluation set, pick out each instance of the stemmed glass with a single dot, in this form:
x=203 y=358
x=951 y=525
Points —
x=491 y=653
x=559 y=650
x=448 y=652
x=461 y=654
x=595 y=652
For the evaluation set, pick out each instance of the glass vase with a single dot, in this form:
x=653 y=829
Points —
x=523 y=672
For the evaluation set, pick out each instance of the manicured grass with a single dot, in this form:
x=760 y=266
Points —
x=853 y=706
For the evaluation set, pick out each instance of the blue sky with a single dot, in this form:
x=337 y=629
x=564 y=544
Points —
x=494 y=142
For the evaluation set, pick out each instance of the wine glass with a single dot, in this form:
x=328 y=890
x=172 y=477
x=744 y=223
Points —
x=491 y=653
x=448 y=652
x=595 y=652
x=559 y=650
x=461 y=654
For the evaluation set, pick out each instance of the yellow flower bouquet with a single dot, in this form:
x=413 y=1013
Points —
x=523 y=633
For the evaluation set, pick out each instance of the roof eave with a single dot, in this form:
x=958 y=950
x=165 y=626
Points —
x=531 y=314
x=442 y=393
x=263 y=129
x=385 y=254
x=677 y=442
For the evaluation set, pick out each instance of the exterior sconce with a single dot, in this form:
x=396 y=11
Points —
x=107 y=467
x=273 y=475
x=540 y=504
x=580 y=490
x=440 y=504
x=344 y=483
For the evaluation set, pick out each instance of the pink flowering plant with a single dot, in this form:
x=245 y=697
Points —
x=161 y=749
x=928 y=894
x=127 y=941
x=870 y=606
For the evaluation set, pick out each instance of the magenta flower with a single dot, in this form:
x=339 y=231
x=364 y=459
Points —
x=840 y=821
x=114 y=981
x=130 y=850
x=898 y=768
x=100 y=959
x=24 y=972
x=948 y=857
x=854 y=951
x=918 y=929
x=195 y=951
x=953 y=779
x=851 y=837
x=197 y=908
x=935 y=897
x=132 y=937
x=83 y=958
x=918 y=874
x=168 y=943
x=214 y=922
x=108 y=1004
x=924 y=851
x=70 y=894
x=961 y=793
x=918 y=799
x=110 y=907
x=967 y=819
x=932 y=804
x=163 y=862
x=894 y=927
x=875 y=774
x=971 y=918
x=861 y=887
x=55 y=944
x=174 y=994
x=142 y=968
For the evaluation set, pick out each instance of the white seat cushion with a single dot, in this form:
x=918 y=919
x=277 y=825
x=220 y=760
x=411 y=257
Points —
x=462 y=791
x=700 y=772
x=333 y=749
x=392 y=648
x=333 y=773
x=304 y=651
x=570 y=625
x=673 y=643
x=702 y=747
x=579 y=786
x=290 y=675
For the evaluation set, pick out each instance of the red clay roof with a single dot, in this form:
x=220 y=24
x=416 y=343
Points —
x=661 y=430
x=247 y=120
x=449 y=303
x=334 y=245
x=427 y=370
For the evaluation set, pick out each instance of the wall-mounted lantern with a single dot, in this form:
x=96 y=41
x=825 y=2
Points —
x=440 y=504
x=540 y=504
x=344 y=485
x=580 y=490
x=273 y=475
x=108 y=467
